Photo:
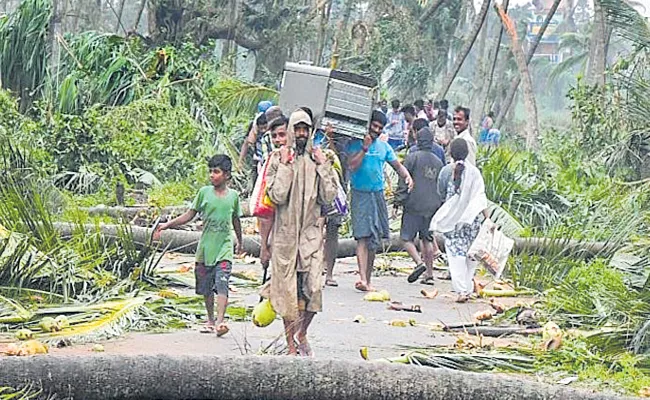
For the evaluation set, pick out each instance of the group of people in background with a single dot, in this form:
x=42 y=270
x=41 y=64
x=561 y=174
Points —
x=304 y=169
x=404 y=121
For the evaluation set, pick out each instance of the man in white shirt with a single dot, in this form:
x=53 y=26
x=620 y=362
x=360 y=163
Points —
x=461 y=124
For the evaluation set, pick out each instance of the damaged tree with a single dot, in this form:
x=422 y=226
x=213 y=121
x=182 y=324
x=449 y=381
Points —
x=108 y=377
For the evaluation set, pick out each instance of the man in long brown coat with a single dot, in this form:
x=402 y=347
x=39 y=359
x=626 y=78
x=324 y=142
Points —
x=300 y=179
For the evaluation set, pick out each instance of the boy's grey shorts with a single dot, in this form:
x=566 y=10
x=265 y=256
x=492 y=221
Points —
x=213 y=279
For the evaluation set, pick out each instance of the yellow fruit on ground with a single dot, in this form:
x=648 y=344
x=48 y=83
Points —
x=62 y=322
x=359 y=319
x=263 y=314
x=551 y=330
x=374 y=296
x=364 y=353
x=48 y=324
x=399 y=323
x=24 y=334
x=413 y=322
x=32 y=347
x=385 y=295
x=98 y=348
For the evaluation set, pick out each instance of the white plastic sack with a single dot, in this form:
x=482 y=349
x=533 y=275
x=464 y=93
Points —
x=491 y=248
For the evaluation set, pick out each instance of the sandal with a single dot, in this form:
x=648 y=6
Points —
x=331 y=282
x=360 y=286
x=222 y=329
x=428 y=281
x=417 y=272
x=207 y=328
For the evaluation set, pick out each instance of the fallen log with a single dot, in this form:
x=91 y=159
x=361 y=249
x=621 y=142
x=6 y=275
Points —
x=130 y=212
x=186 y=242
x=108 y=377
x=492 y=331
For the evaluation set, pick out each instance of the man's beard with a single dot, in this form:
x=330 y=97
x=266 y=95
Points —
x=301 y=145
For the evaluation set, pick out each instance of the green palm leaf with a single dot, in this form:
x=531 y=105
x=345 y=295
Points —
x=235 y=97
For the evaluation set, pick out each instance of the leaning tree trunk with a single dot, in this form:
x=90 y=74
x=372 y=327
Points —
x=428 y=13
x=515 y=83
x=119 y=24
x=138 y=16
x=481 y=68
x=486 y=89
x=529 y=96
x=112 y=377
x=471 y=38
x=598 y=47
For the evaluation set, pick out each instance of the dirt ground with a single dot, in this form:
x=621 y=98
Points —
x=333 y=335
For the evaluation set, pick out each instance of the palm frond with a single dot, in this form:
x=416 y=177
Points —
x=471 y=362
x=569 y=64
x=627 y=21
x=95 y=321
x=28 y=392
x=236 y=97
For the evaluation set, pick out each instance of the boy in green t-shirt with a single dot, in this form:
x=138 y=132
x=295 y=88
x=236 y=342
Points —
x=219 y=208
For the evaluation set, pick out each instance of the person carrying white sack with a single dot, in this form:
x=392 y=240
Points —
x=459 y=218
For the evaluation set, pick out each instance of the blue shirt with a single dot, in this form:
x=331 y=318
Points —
x=437 y=150
x=370 y=175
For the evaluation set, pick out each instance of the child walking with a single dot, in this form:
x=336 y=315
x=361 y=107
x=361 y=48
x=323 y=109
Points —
x=219 y=208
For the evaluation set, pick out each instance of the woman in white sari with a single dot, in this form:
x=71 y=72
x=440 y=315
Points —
x=459 y=219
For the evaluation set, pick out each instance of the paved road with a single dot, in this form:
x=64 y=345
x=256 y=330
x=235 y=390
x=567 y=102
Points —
x=334 y=334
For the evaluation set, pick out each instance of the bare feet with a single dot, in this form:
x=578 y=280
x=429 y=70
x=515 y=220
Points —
x=304 y=349
x=222 y=329
x=364 y=287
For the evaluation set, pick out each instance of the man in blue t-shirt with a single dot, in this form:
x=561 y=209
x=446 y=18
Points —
x=368 y=206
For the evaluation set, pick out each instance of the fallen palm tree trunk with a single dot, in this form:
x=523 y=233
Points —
x=107 y=377
x=130 y=212
x=186 y=242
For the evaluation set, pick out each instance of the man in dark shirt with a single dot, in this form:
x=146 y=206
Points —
x=420 y=205
x=436 y=149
